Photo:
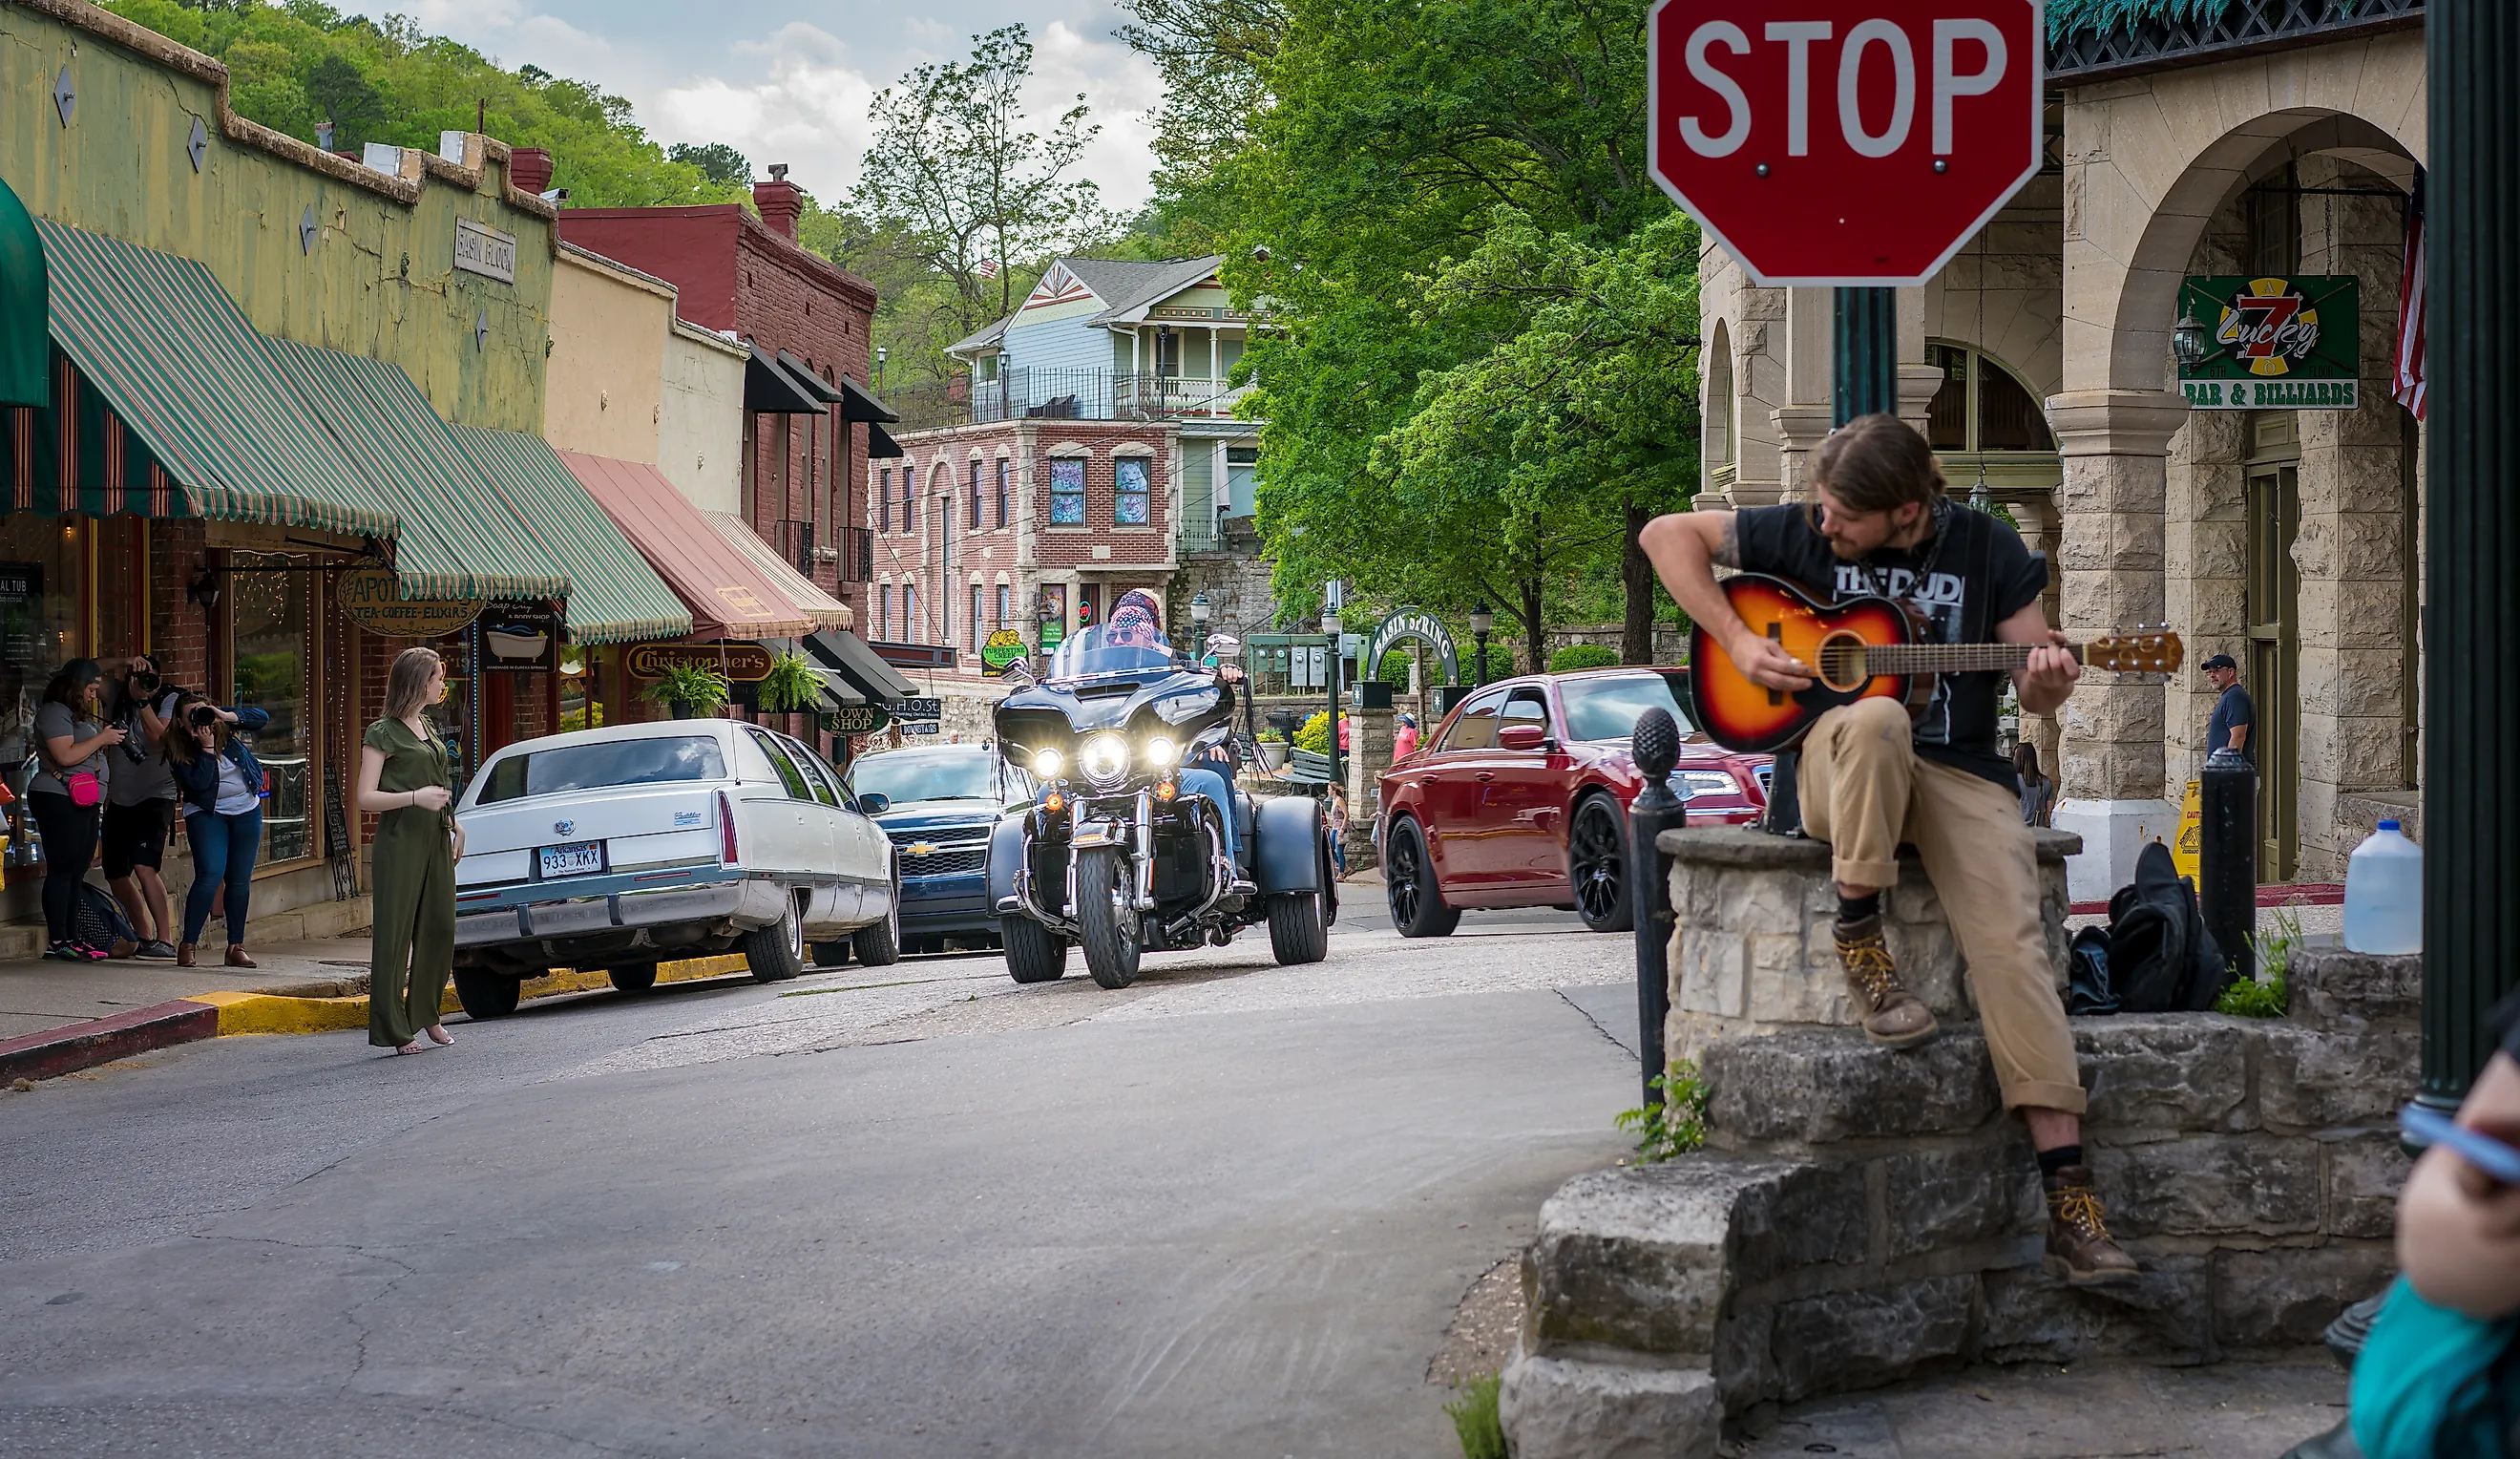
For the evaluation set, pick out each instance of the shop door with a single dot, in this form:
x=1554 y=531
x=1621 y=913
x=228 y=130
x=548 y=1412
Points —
x=2274 y=672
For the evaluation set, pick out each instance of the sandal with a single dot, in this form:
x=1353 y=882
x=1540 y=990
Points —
x=412 y=1047
x=438 y=1035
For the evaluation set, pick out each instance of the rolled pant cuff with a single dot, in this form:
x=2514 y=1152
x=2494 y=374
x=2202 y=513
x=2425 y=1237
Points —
x=1874 y=874
x=2067 y=1099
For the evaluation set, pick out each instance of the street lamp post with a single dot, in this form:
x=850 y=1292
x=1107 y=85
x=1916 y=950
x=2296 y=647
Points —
x=880 y=353
x=1482 y=619
x=1331 y=624
x=2472 y=526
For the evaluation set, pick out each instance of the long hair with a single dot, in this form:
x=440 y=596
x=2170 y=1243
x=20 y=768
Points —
x=68 y=683
x=2025 y=763
x=409 y=682
x=1877 y=462
x=181 y=747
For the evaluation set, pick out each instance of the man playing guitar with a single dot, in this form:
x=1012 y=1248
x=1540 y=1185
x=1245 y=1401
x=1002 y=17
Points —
x=1872 y=776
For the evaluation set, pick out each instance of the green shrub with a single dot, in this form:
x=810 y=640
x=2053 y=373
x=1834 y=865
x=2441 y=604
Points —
x=2265 y=997
x=1475 y=1418
x=1577 y=655
x=1673 y=1124
x=1313 y=734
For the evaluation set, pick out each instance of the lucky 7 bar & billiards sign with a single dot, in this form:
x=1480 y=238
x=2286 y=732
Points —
x=2273 y=343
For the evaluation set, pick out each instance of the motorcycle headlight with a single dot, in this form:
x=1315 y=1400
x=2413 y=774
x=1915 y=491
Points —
x=1104 y=757
x=1047 y=763
x=1162 y=753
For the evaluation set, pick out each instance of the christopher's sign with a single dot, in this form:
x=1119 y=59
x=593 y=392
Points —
x=2275 y=343
x=741 y=662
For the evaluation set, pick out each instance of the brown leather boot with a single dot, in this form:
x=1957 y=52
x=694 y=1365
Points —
x=2079 y=1246
x=237 y=957
x=184 y=955
x=1893 y=1017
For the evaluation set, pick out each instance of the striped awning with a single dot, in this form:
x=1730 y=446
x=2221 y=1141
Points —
x=728 y=595
x=24 y=346
x=458 y=539
x=824 y=610
x=614 y=596
x=175 y=358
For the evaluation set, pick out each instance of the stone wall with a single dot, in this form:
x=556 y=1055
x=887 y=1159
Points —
x=1862 y=1215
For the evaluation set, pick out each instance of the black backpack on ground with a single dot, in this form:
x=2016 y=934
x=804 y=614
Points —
x=2160 y=958
x=96 y=919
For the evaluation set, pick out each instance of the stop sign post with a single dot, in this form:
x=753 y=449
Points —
x=1844 y=143
x=1847 y=144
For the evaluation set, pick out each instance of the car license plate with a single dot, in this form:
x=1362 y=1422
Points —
x=571 y=861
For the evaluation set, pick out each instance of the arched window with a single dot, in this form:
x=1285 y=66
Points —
x=1989 y=428
x=1719 y=410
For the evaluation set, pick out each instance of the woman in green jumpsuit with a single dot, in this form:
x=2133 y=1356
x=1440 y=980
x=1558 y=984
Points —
x=404 y=775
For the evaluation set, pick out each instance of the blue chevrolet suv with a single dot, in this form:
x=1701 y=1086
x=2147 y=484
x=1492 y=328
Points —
x=946 y=801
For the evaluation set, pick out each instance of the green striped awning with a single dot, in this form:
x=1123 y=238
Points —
x=458 y=538
x=23 y=349
x=615 y=596
x=181 y=366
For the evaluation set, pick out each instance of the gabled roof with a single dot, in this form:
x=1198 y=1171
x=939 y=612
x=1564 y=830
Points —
x=1126 y=288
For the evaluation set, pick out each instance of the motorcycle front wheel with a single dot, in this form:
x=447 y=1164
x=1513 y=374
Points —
x=1105 y=915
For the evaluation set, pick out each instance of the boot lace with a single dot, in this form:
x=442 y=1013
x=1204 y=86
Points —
x=2080 y=1209
x=1867 y=961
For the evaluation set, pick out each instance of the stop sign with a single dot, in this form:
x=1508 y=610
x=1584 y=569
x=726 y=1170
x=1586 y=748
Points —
x=1844 y=142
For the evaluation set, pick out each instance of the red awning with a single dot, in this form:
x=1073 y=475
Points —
x=728 y=597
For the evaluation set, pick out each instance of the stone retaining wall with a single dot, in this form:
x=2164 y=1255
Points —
x=1861 y=1214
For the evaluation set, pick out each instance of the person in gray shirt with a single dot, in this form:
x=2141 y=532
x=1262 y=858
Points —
x=140 y=805
x=71 y=781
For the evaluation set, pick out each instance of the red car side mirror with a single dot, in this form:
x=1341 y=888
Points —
x=1521 y=737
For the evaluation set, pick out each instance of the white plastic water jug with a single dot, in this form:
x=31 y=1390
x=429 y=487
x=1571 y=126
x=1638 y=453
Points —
x=2384 y=893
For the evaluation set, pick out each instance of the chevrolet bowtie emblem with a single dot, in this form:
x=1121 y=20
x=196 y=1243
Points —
x=922 y=849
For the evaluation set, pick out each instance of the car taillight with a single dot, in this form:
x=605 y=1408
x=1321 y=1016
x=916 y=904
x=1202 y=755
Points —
x=726 y=851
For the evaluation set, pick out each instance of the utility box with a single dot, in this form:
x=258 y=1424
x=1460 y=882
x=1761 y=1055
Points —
x=1369 y=694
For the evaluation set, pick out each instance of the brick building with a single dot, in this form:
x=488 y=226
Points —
x=809 y=322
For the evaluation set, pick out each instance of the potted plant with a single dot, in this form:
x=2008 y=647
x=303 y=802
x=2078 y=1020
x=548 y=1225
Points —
x=1271 y=744
x=689 y=691
x=792 y=684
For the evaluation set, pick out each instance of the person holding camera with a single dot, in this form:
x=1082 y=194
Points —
x=223 y=788
x=140 y=805
x=69 y=783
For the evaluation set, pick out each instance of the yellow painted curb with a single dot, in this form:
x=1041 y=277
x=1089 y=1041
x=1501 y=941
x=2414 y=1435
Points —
x=272 y=1013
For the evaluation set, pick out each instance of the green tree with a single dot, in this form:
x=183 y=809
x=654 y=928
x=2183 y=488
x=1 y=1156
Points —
x=960 y=175
x=339 y=92
x=717 y=162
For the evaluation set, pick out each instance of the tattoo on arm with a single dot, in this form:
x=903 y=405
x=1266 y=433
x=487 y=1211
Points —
x=1727 y=553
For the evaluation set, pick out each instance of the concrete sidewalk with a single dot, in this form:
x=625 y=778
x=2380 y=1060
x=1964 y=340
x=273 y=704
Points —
x=36 y=996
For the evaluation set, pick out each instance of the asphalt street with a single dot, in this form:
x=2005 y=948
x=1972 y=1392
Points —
x=908 y=1210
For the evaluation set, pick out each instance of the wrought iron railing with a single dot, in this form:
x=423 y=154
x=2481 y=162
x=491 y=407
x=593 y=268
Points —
x=2079 y=57
x=1063 y=395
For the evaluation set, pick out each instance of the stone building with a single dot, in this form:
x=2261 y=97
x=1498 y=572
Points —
x=2274 y=141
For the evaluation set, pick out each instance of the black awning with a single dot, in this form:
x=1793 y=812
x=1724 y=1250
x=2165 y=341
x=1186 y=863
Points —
x=824 y=390
x=859 y=405
x=768 y=389
x=881 y=447
x=879 y=681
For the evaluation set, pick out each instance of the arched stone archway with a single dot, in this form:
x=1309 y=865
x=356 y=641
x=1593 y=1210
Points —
x=2148 y=168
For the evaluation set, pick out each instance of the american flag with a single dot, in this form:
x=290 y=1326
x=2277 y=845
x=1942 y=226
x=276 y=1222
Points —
x=988 y=268
x=2407 y=377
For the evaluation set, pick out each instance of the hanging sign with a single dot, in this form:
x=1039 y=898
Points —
x=917 y=709
x=856 y=720
x=1005 y=647
x=520 y=635
x=2275 y=343
x=739 y=662
x=372 y=598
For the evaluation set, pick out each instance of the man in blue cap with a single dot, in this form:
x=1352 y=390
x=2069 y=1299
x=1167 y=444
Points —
x=2235 y=714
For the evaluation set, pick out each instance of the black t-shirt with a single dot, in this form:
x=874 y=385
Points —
x=1974 y=580
x=2234 y=707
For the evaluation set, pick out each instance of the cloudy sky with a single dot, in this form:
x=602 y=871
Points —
x=788 y=80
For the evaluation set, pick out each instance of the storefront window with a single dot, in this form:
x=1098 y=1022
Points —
x=269 y=618
x=41 y=561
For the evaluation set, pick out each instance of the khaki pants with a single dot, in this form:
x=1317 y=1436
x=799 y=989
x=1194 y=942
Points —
x=1864 y=790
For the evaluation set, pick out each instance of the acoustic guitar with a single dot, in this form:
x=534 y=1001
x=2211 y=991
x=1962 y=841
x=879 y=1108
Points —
x=1859 y=648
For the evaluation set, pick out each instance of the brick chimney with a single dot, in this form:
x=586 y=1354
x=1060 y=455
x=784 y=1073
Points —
x=780 y=201
x=529 y=170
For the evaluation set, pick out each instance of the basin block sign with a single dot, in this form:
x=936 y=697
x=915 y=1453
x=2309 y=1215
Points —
x=1852 y=143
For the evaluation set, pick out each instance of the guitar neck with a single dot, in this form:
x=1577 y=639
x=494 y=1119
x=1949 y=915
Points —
x=1949 y=658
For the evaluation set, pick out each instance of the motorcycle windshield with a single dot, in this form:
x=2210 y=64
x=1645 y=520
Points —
x=1099 y=653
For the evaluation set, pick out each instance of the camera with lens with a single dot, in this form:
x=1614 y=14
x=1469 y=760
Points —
x=201 y=716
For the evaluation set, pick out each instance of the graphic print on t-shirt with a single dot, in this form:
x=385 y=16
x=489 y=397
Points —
x=1942 y=598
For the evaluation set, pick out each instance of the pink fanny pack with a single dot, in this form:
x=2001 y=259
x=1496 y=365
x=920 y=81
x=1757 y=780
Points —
x=85 y=790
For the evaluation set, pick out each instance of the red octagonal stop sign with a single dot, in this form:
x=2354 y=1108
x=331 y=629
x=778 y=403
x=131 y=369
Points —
x=1844 y=142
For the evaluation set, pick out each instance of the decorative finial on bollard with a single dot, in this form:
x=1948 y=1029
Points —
x=1655 y=746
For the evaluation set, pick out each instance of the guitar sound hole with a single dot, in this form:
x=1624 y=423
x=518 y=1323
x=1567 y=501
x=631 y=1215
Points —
x=1840 y=661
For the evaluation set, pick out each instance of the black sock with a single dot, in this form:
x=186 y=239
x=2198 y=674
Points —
x=1857 y=908
x=2052 y=1161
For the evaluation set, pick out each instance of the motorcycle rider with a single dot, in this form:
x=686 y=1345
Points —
x=1136 y=622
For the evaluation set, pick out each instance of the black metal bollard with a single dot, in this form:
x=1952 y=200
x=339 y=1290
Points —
x=2226 y=857
x=1784 y=814
x=1657 y=751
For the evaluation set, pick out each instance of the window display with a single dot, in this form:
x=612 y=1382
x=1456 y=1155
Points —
x=41 y=561
x=270 y=615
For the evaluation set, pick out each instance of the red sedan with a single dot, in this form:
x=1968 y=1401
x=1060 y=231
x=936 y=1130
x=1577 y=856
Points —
x=1519 y=799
